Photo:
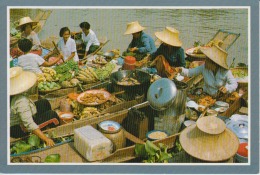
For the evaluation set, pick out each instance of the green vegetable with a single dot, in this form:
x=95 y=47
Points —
x=52 y=158
x=34 y=140
x=20 y=147
x=105 y=72
x=152 y=153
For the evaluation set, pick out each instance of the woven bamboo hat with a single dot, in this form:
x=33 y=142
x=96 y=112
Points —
x=208 y=147
x=21 y=81
x=169 y=36
x=211 y=125
x=133 y=27
x=216 y=54
x=26 y=20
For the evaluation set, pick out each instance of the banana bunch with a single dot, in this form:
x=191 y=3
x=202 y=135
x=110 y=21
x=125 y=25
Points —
x=41 y=78
x=48 y=70
x=89 y=112
x=49 y=74
x=87 y=75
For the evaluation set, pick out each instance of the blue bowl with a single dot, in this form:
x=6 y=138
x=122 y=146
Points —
x=153 y=131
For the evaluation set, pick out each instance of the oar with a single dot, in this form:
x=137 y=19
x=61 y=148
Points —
x=57 y=50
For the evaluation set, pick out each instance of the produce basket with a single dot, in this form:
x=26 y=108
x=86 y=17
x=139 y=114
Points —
x=54 y=100
x=49 y=91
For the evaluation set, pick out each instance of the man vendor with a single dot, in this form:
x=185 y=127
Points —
x=89 y=38
x=170 y=54
x=215 y=71
x=141 y=44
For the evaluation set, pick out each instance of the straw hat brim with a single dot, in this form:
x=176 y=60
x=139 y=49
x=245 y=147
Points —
x=207 y=147
x=131 y=31
x=162 y=37
x=211 y=56
x=34 y=25
x=211 y=125
x=21 y=81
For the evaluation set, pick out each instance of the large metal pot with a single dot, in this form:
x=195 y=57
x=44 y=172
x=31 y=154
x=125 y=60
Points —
x=142 y=77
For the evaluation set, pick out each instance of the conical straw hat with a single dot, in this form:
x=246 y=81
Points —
x=211 y=125
x=26 y=20
x=216 y=54
x=207 y=147
x=169 y=36
x=133 y=27
x=21 y=81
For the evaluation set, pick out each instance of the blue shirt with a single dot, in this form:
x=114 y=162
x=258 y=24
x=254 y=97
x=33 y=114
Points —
x=144 y=43
x=174 y=55
x=213 y=82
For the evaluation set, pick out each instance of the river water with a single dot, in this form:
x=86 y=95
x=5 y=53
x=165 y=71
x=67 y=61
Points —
x=193 y=24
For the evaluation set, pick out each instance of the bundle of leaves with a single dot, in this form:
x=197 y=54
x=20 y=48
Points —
x=150 y=153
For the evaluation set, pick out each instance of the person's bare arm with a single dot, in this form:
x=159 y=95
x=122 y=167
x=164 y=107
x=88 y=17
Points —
x=39 y=133
x=48 y=64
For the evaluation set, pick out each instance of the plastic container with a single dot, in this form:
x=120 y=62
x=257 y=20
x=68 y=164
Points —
x=92 y=144
x=113 y=131
x=129 y=63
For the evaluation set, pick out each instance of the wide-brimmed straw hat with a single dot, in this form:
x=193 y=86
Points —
x=26 y=20
x=133 y=27
x=21 y=81
x=216 y=54
x=211 y=125
x=208 y=147
x=169 y=36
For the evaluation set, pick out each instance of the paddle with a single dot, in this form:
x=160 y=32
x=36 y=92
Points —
x=57 y=50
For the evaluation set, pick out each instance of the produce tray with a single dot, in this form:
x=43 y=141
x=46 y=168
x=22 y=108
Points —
x=49 y=91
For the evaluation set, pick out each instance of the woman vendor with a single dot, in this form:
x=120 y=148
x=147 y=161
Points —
x=141 y=44
x=27 y=116
x=26 y=26
x=217 y=76
x=30 y=61
x=66 y=46
x=170 y=53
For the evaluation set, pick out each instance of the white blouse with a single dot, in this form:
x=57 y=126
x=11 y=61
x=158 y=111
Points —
x=68 y=48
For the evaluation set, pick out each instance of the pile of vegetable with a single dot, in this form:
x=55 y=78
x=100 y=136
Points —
x=87 y=75
x=67 y=71
x=104 y=72
x=241 y=75
x=47 y=86
x=48 y=74
x=150 y=153
x=70 y=83
x=33 y=143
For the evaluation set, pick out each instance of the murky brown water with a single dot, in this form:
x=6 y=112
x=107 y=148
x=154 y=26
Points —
x=194 y=24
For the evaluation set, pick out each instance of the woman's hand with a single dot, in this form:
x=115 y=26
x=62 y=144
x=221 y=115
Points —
x=223 y=89
x=49 y=142
x=133 y=49
x=178 y=69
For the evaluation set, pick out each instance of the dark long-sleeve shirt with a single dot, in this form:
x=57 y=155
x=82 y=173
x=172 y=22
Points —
x=174 y=55
x=144 y=43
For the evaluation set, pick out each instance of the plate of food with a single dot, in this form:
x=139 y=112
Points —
x=99 y=60
x=222 y=104
x=93 y=97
